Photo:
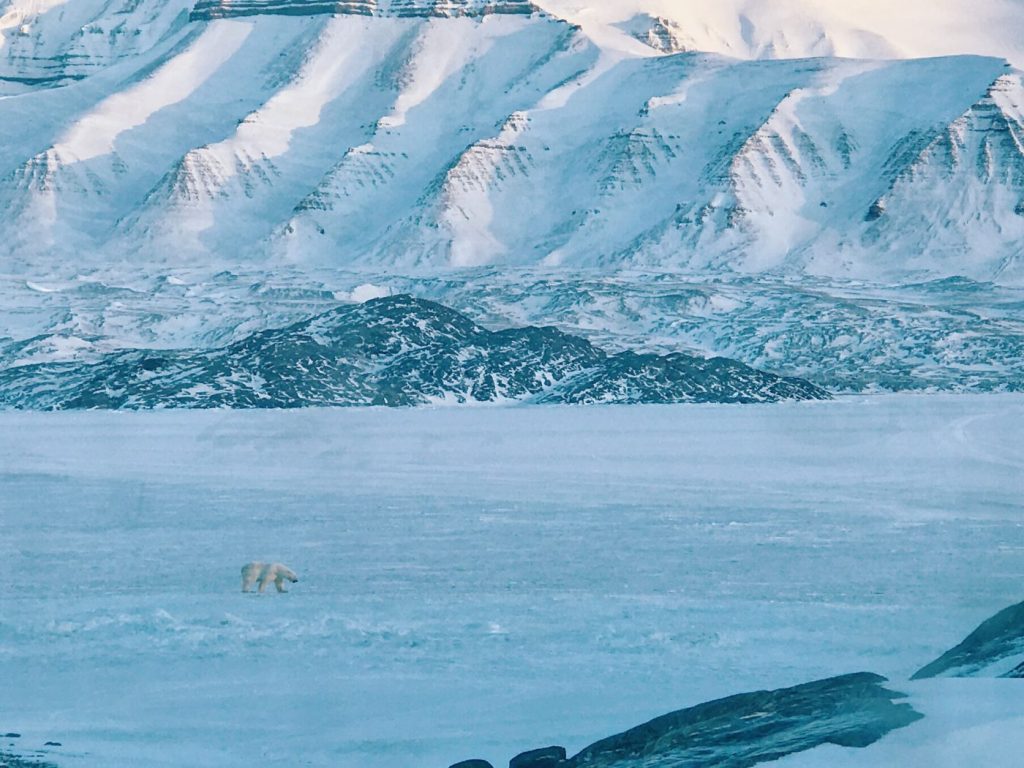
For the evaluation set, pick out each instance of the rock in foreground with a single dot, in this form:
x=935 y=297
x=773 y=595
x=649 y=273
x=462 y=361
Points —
x=545 y=757
x=750 y=728
x=995 y=649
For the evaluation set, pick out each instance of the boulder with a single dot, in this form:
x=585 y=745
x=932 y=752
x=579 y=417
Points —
x=750 y=728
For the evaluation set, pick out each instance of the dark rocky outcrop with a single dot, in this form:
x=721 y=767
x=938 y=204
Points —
x=545 y=757
x=394 y=351
x=994 y=649
x=741 y=731
x=207 y=10
x=472 y=764
x=750 y=728
x=8 y=760
x=630 y=377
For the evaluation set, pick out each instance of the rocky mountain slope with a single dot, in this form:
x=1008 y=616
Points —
x=424 y=134
x=395 y=351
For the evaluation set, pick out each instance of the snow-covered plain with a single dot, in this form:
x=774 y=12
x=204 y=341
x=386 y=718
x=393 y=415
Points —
x=477 y=582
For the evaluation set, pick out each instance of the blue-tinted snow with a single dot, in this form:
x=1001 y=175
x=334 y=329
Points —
x=481 y=581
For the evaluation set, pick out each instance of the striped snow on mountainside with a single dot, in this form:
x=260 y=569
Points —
x=429 y=134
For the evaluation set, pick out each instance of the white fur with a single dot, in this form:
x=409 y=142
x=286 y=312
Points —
x=265 y=573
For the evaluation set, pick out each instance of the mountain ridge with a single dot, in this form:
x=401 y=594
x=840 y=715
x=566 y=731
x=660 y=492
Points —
x=209 y=10
x=951 y=335
x=435 y=134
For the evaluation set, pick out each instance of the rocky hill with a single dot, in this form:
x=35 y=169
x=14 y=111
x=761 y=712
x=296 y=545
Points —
x=394 y=351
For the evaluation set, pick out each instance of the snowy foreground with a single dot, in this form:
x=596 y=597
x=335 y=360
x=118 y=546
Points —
x=477 y=582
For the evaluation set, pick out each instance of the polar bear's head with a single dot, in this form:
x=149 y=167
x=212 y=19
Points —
x=288 y=573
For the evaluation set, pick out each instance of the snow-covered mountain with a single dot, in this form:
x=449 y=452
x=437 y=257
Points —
x=859 y=29
x=429 y=134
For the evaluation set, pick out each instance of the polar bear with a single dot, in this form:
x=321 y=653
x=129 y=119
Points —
x=266 y=573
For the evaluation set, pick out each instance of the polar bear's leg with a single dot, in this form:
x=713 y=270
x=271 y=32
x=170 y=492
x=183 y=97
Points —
x=264 y=578
x=249 y=575
x=279 y=583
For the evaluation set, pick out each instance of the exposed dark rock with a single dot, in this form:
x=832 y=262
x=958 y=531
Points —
x=206 y=10
x=633 y=378
x=751 y=728
x=989 y=651
x=8 y=760
x=395 y=351
x=661 y=34
x=876 y=211
x=472 y=764
x=545 y=757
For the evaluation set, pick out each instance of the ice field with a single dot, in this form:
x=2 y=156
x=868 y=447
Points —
x=476 y=582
